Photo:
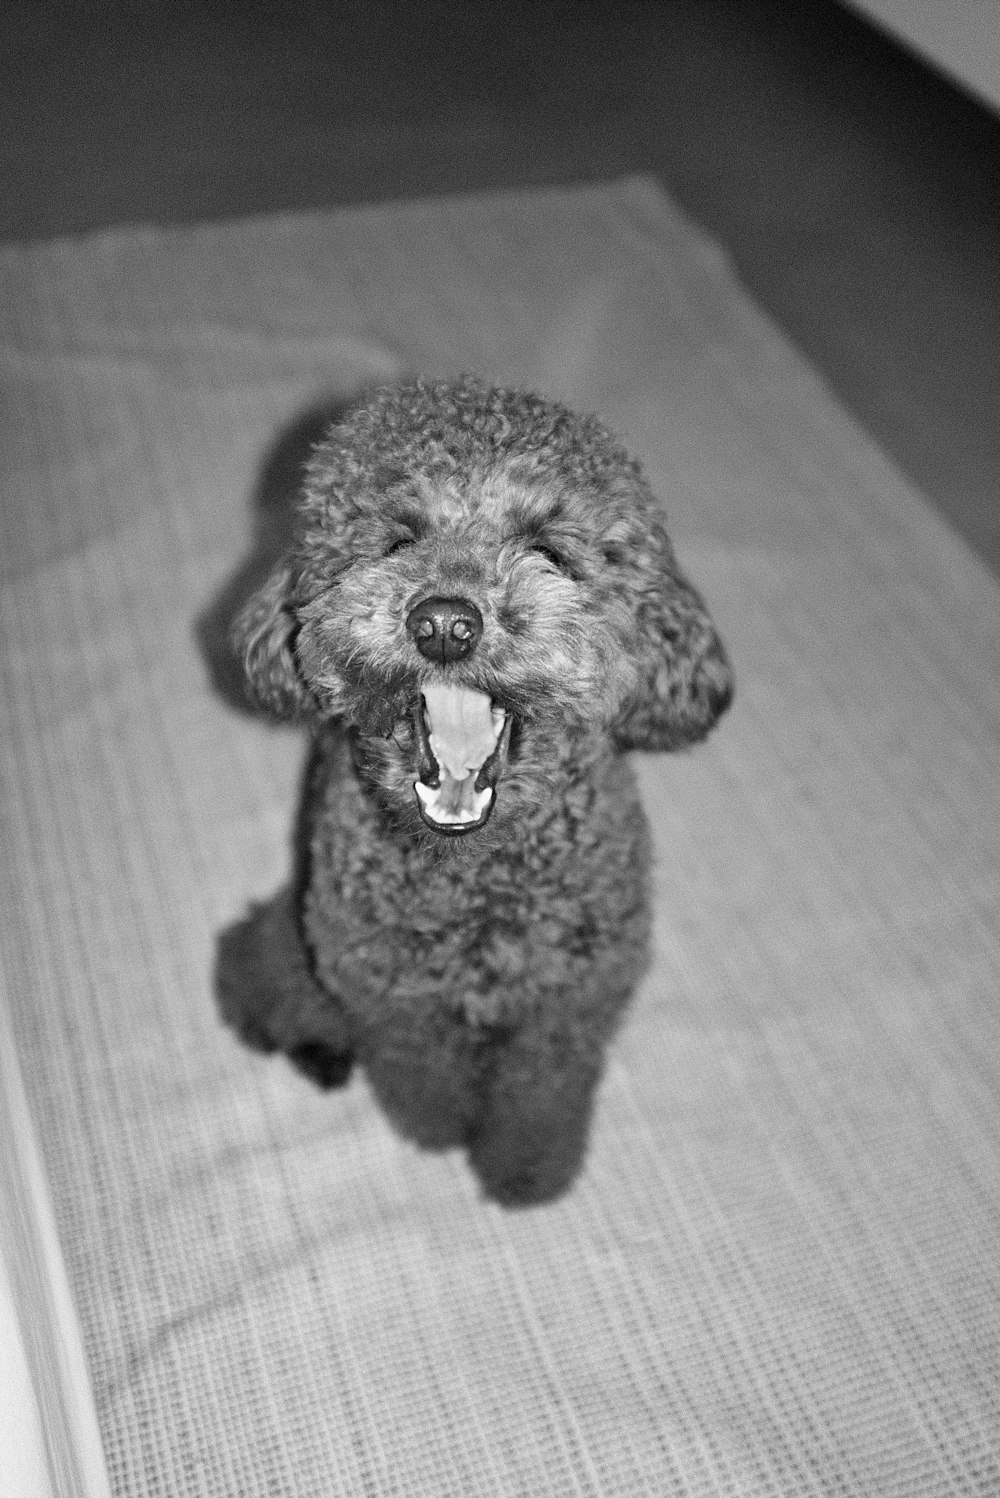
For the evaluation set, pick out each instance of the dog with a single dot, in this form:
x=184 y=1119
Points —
x=479 y=613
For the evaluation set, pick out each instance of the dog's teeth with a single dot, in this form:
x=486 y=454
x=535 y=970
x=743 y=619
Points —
x=458 y=731
x=431 y=800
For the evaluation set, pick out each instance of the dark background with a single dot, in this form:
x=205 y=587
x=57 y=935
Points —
x=855 y=189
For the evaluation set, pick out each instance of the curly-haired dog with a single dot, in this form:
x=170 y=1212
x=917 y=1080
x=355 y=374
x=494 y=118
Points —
x=480 y=611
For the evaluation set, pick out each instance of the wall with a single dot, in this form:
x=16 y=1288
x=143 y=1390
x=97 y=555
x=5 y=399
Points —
x=962 y=37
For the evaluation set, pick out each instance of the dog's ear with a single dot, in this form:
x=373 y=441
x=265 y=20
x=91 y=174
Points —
x=685 y=681
x=263 y=636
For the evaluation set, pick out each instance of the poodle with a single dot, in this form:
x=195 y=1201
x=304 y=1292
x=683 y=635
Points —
x=479 y=613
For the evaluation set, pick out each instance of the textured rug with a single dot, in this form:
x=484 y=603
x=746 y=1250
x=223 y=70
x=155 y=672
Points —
x=779 y=1273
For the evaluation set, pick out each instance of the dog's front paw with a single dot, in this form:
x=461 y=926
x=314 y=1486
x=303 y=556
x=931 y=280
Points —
x=532 y=1137
x=525 y=1174
x=322 y=1063
x=526 y=1188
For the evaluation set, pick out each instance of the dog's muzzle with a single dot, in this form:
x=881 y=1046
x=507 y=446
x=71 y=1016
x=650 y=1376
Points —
x=462 y=741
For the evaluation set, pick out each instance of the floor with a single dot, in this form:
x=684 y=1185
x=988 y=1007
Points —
x=855 y=190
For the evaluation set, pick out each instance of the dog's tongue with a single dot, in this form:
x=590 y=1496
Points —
x=462 y=728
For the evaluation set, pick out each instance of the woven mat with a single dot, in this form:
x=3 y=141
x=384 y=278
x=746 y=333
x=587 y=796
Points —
x=779 y=1273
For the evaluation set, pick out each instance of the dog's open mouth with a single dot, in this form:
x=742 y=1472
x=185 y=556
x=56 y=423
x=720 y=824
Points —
x=462 y=741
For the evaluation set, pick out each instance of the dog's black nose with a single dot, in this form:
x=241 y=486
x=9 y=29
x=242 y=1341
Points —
x=445 y=629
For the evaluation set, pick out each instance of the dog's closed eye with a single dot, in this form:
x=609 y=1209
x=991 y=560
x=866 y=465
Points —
x=555 y=557
x=399 y=543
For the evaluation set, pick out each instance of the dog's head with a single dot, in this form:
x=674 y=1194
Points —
x=482 y=590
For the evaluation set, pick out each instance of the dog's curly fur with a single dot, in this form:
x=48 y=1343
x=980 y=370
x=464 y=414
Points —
x=475 y=963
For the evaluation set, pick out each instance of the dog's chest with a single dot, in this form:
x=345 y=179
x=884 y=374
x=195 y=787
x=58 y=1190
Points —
x=399 y=922
x=484 y=940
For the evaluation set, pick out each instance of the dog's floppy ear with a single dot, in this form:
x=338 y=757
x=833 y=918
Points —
x=685 y=681
x=263 y=635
